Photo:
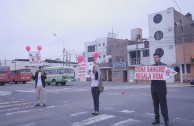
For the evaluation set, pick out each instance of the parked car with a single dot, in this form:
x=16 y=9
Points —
x=192 y=82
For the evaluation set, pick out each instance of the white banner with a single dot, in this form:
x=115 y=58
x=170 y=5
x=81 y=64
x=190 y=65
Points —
x=35 y=58
x=153 y=72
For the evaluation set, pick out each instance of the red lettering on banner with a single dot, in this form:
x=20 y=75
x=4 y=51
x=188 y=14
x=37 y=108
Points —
x=146 y=76
x=155 y=69
x=140 y=69
x=158 y=76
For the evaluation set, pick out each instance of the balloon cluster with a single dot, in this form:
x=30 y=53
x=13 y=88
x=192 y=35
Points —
x=80 y=58
x=39 y=47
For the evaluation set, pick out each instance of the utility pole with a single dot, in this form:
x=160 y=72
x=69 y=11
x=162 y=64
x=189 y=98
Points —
x=137 y=38
x=183 y=40
x=63 y=47
x=66 y=57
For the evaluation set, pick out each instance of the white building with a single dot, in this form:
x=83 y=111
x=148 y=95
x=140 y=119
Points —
x=98 y=45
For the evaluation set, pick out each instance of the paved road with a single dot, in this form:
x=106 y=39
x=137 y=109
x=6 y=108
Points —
x=72 y=105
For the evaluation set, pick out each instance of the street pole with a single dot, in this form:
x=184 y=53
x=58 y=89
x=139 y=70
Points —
x=183 y=41
x=137 y=38
x=15 y=64
x=63 y=47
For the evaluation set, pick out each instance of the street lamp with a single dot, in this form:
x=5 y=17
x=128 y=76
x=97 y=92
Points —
x=63 y=46
x=183 y=40
x=75 y=55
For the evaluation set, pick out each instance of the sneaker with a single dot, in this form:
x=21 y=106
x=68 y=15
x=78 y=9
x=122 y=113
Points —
x=44 y=105
x=96 y=113
x=93 y=113
x=37 y=105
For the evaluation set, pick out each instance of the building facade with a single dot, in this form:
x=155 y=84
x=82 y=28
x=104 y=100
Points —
x=165 y=31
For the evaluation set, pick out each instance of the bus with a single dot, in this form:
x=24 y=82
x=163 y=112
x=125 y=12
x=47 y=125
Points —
x=59 y=75
x=4 y=75
x=21 y=75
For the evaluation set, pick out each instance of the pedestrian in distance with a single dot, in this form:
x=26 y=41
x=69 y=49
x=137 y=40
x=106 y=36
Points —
x=39 y=78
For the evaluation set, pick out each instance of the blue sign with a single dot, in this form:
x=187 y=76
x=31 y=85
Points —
x=121 y=65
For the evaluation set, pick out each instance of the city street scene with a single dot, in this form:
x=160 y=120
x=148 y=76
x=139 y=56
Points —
x=97 y=63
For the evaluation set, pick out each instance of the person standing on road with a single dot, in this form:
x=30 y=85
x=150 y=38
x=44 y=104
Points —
x=94 y=89
x=159 y=92
x=39 y=78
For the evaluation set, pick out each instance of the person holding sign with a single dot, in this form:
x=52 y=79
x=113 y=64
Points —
x=159 y=92
x=94 y=89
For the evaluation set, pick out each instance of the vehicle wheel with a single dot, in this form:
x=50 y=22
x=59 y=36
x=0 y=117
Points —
x=64 y=83
x=49 y=83
x=15 y=82
x=54 y=82
x=24 y=82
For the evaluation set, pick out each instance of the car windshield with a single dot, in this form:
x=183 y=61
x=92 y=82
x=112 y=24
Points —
x=25 y=71
x=4 y=69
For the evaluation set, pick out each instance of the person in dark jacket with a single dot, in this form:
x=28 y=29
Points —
x=94 y=89
x=39 y=78
x=159 y=92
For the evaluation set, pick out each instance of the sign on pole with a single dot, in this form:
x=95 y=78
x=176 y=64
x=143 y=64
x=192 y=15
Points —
x=153 y=72
x=34 y=58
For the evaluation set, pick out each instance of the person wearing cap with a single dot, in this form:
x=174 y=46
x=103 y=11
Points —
x=39 y=78
x=159 y=92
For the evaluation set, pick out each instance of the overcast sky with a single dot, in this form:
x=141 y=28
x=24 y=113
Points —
x=33 y=23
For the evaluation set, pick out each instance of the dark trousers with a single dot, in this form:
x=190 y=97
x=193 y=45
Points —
x=159 y=99
x=95 y=95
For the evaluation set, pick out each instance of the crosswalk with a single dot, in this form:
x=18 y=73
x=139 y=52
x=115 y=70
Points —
x=12 y=109
x=107 y=88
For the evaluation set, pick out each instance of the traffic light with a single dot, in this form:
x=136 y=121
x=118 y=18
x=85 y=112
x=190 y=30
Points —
x=192 y=59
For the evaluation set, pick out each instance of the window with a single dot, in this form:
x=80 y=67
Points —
x=98 y=44
x=133 y=54
x=146 y=53
x=188 y=67
x=90 y=59
x=103 y=44
x=104 y=56
x=91 y=48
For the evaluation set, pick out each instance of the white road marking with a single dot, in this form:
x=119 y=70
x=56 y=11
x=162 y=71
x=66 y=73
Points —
x=30 y=124
x=26 y=91
x=65 y=101
x=79 y=113
x=51 y=107
x=9 y=102
x=93 y=120
x=108 y=108
x=4 y=110
x=149 y=115
x=128 y=121
x=19 y=112
x=127 y=111
x=191 y=122
x=3 y=93
x=6 y=106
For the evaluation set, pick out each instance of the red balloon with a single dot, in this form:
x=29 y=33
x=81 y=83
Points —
x=28 y=48
x=95 y=55
x=123 y=92
x=80 y=59
x=39 y=48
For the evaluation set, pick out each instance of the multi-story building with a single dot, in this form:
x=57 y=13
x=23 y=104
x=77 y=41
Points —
x=99 y=45
x=165 y=31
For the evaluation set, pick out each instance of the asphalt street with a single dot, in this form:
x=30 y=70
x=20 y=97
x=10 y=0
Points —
x=121 y=104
